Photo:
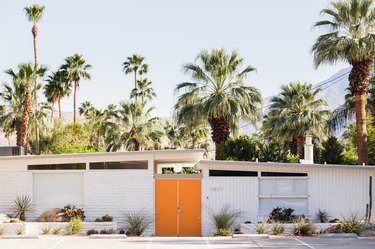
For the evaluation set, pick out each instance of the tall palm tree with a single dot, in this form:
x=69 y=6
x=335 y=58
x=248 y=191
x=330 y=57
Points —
x=134 y=64
x=350 y=38
x=34 y=13
x=143 y=90
x=76 y=69
x=295 y=112
x=26 y=75
x=56 y=88
x=217 y=93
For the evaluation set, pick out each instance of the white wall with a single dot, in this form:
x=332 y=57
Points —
x=338 y=190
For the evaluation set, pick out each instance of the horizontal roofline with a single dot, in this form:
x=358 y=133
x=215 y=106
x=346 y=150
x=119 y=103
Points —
x=99 y=154
x=296 y=165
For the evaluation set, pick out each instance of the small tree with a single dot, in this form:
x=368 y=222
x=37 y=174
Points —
x=242 y=148
x=332 y=152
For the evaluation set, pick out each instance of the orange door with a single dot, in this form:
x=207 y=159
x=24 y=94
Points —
x=190 y=208
x=178 y=207
x=165 y=207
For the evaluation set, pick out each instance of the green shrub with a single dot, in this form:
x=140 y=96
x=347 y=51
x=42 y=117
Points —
x=322 y=216
x=92 y=231
x=107 y=218
x=224 y=219
x=283 y=215
x=75 y=226
x=352 y=224
x=23 y=205
x=15 y=220
x=56 y=231
x=46 y=229
x=277 y=228
x=303 y=227
x=242 y=148
x=261 y=228
x=293 y=158
x=222 y=232
x=99 y=219
x=349 y=157
x=109 y=231
x=20 y=230
x=137 y=222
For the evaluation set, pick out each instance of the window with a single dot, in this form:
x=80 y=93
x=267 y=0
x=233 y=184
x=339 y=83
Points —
x=283 y=174
x=120 y=165
x=233 y=173
x=59 y=166
x=289 y=192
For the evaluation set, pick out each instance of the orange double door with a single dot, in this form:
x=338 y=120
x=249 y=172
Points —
x=178 y=207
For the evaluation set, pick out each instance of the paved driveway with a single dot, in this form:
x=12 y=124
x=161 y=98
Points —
x=50 y=242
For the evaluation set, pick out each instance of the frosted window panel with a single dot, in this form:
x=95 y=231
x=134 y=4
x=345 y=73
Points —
x=267 y=187
x=284 y=187
x=300 y=187
x=57 y=190
x=298 y=204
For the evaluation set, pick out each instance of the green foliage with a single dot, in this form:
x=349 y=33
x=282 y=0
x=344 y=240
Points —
x=75 y=226
x=105 y=218
x=23 y=205
x=242 y=148
x=332 y=152
x=283 y=215
x=222 y=232
x=293 y=158
x=20 y=230
x=352 y=223
x=71 y=138
x=225 y=218
x=277 y=228
x=322 y=216
x=46 y=229
x=2 y=230
x=349 y=157
x=137 y=222
x=261 y=228
x=303 y=227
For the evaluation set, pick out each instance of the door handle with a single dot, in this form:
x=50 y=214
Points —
x=179 y=210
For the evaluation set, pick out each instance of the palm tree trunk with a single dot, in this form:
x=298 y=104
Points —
x=137 y=145
x=75 y=102
x=360 y=110
x=34 y=31
x=53 y=111
x=25 y=120
x=220 y=131
x=193 y=146
x=359 y=81
x=59 y=104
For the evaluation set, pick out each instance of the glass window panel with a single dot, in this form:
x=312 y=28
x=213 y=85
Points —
x=300 y=187
x=284 y=187
x=267 y=187
x=298 y=204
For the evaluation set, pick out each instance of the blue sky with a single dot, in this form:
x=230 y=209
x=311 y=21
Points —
x=272 y=35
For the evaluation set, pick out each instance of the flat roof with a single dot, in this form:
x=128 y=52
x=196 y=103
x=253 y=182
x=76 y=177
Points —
x=101 y=154
x=296 y=165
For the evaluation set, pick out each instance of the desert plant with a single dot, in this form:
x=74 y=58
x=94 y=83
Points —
x=277 y=228
x=15 y=220
x=92 y=231
x=20 y=230
x=109 y=231
x=322 y=216
x=303 y=227
x=352 y=223
x=23 y=205
x=225 y=218
x=261 y=228
x=2 y=230
x=107 y=218
x=46 y=229
x=137 y=222
x=99 y=219
x=222 y=232
x=75 y=226
x=56 y=231
x=283 y=215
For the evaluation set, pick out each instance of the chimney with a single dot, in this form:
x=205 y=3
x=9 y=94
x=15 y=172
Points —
x=309 y=151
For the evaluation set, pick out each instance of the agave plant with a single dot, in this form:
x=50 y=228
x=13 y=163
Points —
x=23 y=205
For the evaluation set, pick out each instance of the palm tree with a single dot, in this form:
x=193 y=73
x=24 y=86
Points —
x=217 y=94
x=134 y=64
x=56 y=89
x=34 y=13
x=295 y=112
x=76 y=69
x=134 y=129
x=350 y=38
x=143 y=90
x=26 y=75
